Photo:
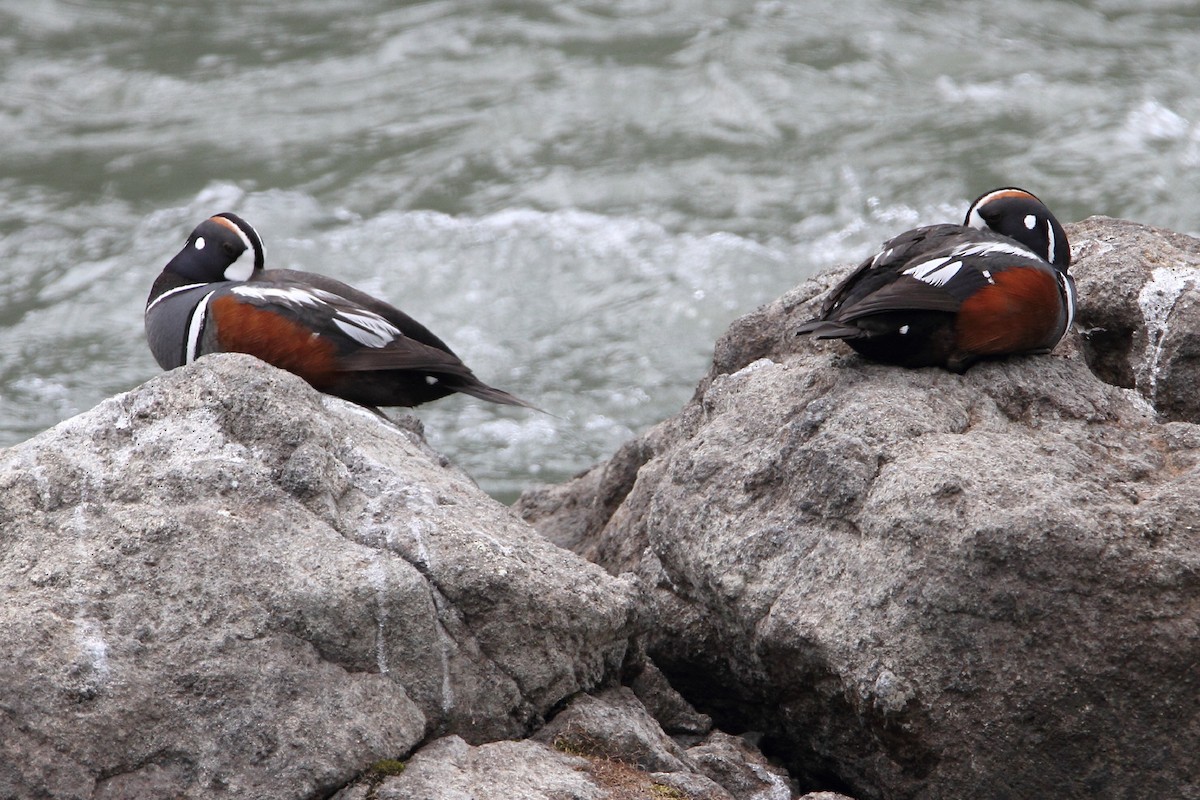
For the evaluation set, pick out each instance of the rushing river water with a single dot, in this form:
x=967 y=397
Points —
x=577 y=196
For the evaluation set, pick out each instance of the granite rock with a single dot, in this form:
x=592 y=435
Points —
x=226 y=582
x=918 y=584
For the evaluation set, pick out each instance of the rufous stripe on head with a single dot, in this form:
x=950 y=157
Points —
x=241 y=234
x=1000 y=193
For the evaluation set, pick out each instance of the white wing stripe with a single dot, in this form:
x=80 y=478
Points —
x=294 y=295
x=363 y=326
x=366 y=328
x=1014 y=249
x=935 y=272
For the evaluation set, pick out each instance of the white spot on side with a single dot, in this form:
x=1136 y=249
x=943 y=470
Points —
x=987 y=273
x=1030 y=221
x=199 y=245
x=903 y=329
x=431 y=380
x=196 y=329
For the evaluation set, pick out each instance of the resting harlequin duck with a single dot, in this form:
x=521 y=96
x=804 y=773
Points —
x=949 y=295
x=215 y=297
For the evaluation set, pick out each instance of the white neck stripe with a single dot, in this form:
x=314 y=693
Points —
x=174 y=291
x=196 y=328
x=1068 y=287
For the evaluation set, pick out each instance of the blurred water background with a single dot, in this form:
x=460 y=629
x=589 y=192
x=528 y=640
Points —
x=577 y=196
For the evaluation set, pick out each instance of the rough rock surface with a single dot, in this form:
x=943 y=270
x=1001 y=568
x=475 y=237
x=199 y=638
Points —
x=1140 y=310
x=225 y=583
x=605 y=747
x=450 y=769
x=616 y=725
x=1139 y=290
x=927 y=585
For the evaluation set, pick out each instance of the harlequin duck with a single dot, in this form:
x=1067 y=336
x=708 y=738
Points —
x=949 y=295
x=215 y=297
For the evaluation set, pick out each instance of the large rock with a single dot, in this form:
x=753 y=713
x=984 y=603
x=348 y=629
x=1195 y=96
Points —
x=1139 y=290
x=925 y=585
x=452 y=769
x=602 y=747
x=226 y=584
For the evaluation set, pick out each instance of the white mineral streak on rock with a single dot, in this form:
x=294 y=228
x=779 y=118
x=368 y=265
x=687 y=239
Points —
x=377 y=576
x=1157 y=301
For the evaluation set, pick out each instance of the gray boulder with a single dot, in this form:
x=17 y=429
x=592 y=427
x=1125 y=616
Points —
x=1139 y=315
x=616 y=725
x=920 y=584
x=452 y=769
x=224 y=582
x=605 y=747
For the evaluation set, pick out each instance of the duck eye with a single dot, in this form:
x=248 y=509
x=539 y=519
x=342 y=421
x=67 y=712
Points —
x=229 y=249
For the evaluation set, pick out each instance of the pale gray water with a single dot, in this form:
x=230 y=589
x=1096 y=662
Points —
x=578 y=197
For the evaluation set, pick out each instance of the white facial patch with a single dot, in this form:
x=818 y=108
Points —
x=1030 y=221
x=240 y=270
x=936 y=271
x=242 y=267
x=199 y=245
x=975 y=220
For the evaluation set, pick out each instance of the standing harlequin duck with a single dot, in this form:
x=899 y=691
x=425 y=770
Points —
x=949 y=295
x=215 y=297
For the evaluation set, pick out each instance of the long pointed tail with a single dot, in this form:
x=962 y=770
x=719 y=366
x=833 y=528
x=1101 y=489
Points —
x=477 y=388
x=826 y=329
